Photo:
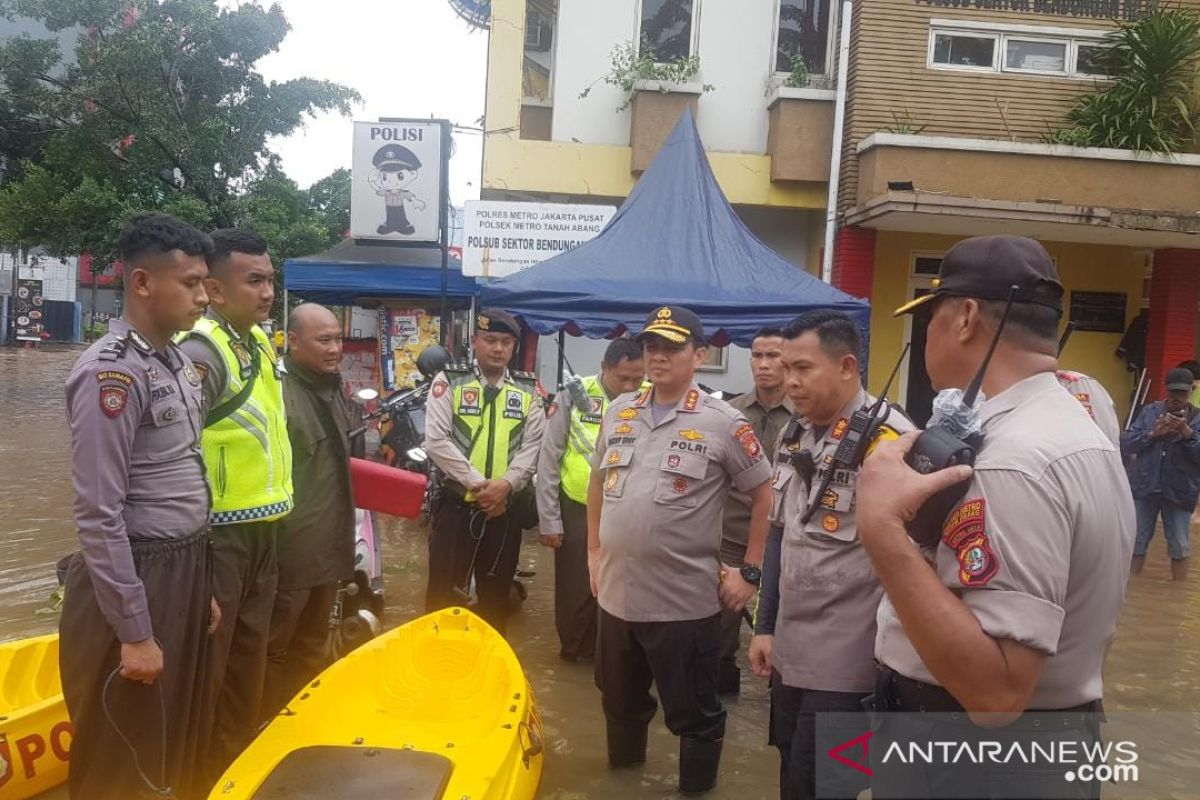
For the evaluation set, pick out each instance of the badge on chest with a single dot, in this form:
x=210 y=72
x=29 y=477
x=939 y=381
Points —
x=514 y=405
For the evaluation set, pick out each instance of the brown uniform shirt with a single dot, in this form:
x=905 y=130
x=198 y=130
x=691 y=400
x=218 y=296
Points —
x=828 y=590
x=768 y=423
x=1095 y=400
x=665 y=487
x=1039 y=548
x=135 y=416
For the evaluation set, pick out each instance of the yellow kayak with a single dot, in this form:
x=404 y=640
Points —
x=437 y=708
x=35 y=733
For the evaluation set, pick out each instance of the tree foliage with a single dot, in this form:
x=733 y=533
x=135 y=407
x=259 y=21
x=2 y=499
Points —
x=160 y=106
x=1150 y=102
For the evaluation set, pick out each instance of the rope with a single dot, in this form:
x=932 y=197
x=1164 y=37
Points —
x=162 y=790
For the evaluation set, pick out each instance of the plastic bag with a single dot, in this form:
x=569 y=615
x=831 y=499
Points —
x=956 y=417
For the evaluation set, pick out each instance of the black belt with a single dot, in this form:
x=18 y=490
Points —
x=900 y=693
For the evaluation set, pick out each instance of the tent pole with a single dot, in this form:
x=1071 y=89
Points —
x=835 y=157
x=562 y=355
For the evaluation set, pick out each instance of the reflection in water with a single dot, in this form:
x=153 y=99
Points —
x=1154 y=664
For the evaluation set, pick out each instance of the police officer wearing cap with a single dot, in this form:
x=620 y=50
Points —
x=483 y=429
x=1013 y=617
x=665 y=460
x=818 y=647
x=396 y=169
x=138 y=604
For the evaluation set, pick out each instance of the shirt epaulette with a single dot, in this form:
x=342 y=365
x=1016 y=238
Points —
x=720 y=405
x=458 y=367
x=114 y=350
x=522 y=377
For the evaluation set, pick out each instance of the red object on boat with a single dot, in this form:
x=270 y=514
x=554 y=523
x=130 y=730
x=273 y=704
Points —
x=378 y=487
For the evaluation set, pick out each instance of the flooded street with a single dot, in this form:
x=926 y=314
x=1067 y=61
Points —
x=1154 y=664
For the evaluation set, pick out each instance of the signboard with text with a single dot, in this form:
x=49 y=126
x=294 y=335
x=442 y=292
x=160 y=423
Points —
x=1094 y=9
x=500 y=238
x=396 y=189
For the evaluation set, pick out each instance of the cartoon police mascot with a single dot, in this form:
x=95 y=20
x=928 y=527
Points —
x=396 y=168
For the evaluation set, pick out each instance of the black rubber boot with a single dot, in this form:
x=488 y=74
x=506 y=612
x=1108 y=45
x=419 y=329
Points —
x=698 y=765
x=626 y=744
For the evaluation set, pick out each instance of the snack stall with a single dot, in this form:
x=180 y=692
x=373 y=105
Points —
x=399 y=289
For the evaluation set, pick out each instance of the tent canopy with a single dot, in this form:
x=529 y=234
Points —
x=674 y=240
x=350 y=272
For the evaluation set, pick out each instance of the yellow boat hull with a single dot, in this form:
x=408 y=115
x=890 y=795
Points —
x=35 y=732
x=437 y=708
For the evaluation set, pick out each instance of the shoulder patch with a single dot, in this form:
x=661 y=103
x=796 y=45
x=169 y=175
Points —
x=113 y=400
x=965 y=532
x=110 y=375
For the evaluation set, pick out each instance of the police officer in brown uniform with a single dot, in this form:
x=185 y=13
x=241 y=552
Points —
x=1020 y=605
x=1095 y=399
x=820 y=653
x=665 y=461
x=138 y=602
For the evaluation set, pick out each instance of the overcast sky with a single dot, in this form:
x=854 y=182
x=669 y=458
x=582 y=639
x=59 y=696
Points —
x=407 y=58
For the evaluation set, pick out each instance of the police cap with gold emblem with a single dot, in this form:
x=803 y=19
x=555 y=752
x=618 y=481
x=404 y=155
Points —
x=675 y=324
x=987 y=267
x=495 y=320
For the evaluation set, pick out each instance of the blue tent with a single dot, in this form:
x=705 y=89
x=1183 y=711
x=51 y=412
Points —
x=350 y=272
x=675 y=239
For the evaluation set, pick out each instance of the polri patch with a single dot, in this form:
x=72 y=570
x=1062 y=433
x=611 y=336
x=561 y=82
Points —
x=680 y=486
x=551 y=410
x=439 y=389
x=965 y=532
x=190 y=373
x=113 y=400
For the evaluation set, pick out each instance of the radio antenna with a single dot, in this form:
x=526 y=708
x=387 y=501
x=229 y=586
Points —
x=968 y=399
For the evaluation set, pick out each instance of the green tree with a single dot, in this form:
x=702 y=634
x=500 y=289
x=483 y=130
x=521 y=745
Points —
x=162 y=108
x=330 y=197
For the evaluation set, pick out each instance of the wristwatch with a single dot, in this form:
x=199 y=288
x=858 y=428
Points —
x=751 y=574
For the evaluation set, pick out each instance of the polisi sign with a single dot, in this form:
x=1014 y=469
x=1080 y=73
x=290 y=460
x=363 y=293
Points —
x=397 y=180
x=393 y=133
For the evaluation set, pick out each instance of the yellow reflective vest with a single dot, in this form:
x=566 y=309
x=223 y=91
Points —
x=488 y=431
x=247 y=453
x=581 y=442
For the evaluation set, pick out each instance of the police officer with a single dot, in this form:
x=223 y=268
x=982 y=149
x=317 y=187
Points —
x=1095 y=400
x=564 y=467
x=665 y=461
x=483 y=428
x=820 y=656
x=768 y=409
x=249 y=461
x=138 y=596
x=1018 y=609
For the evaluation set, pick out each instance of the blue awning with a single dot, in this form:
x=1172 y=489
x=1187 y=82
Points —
x=675 y=240
x=350 y=272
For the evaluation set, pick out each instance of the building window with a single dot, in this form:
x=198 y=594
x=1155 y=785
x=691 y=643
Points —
x=537 y=66
x=1030 y=55
x=666 y=28
x=1089 y=60
x=804 y=27
x=964 y=50
x=1022 y=49
x=926 y=265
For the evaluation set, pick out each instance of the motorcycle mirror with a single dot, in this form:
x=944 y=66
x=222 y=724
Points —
x=432 y=360
x=416 y=454
x=366 y=395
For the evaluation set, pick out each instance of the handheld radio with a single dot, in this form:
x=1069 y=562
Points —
x=938 y=448
x=853 y=447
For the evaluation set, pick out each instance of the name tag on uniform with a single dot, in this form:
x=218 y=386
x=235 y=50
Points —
x=594 y=417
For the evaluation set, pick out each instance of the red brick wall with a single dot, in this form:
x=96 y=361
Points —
x=1174 y=294
x=854 y=261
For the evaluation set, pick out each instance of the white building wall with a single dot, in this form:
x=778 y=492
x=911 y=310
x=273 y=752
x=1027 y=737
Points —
x=735 y=44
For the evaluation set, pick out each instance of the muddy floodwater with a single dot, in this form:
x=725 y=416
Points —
x=1154 y=664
